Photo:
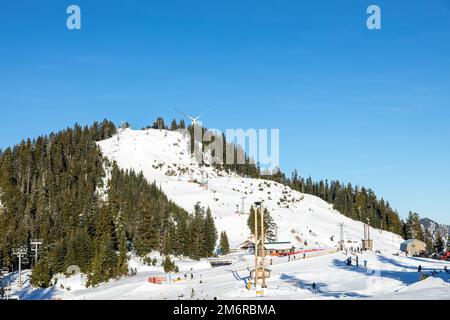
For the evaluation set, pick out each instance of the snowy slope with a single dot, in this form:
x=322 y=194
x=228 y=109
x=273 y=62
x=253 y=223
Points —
x=163 y=157
x=386 y=277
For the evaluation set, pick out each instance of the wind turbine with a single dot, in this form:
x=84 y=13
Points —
x=194 y=120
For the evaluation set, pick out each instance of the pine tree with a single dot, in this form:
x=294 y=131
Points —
x=197 y=248
x=173 y=125
x=269 y=225
x=413 y=227
x=439 y=244
x=41 y=276
x=210 y=233
x=224 y=244
x=169 y=266
x=428 y=240
x=122 y=264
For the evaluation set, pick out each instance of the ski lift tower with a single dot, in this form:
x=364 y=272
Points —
x=243 y=205
x=20 y=252
x=367 y=243
x=36 y=243
x=260 y=268
x=342 y=239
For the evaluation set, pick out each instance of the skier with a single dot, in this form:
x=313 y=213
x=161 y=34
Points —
x=365 y=264
x=192 y=276
x=314 y=287
x=419 y=269
x=349 y=261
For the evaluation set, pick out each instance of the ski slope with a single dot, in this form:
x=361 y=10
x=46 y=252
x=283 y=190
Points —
x=163 y=157
x=386 y=277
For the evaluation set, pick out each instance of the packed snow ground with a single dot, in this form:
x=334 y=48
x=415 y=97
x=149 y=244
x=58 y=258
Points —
x=162 y=156
x=386 y=277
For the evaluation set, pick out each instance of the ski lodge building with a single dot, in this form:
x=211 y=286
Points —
x=277 y=248
x=413 y=246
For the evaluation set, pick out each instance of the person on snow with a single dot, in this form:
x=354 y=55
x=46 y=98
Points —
x=357 y=261
x=2 y=293
x=365 y=263
x=420 y=268
x=314 y=287
x=349 y=261
x=192 y=276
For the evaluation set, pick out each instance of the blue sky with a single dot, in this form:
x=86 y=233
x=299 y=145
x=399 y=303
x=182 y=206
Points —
x=367 y=107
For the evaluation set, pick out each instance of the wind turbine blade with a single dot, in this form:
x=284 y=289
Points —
x=204 y=113
x=192 y=119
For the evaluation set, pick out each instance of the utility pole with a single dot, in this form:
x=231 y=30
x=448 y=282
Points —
x=19 y=253
x=36 y=243
x=256 y=246
x=263 y=253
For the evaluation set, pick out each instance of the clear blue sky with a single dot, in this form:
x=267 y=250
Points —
x=367 y=107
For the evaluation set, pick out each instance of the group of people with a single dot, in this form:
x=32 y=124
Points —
x=419 y=269
x=186 y=276
x=353 y=250
x=350 y=261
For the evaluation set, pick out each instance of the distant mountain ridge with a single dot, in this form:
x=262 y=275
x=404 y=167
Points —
x=435 y=228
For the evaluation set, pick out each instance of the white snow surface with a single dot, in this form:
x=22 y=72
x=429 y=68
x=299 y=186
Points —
x=385 y=277
x=162 y=156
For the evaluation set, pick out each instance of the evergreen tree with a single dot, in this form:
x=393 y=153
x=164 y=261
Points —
x=413 y=227
x=197 y=244
x=269 y=225
x=210 y=233
x=169 y=265
x=41 y=276
x=122 y=264
x=439 y=244
x=224 y=244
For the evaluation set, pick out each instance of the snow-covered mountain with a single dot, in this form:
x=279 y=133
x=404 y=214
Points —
x=435 y=228
x=163 y=157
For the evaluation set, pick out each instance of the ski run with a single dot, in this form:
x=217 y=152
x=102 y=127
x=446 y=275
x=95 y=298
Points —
x=310 y=224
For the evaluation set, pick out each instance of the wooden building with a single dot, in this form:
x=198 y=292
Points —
x=413 y=246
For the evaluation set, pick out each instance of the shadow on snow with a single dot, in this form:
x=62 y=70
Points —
x=320 y=287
